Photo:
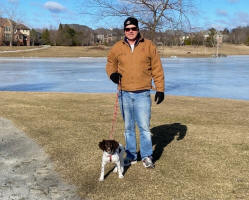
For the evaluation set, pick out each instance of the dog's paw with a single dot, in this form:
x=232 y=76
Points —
x=115 y=170
x=101 y=179
x=121 y=176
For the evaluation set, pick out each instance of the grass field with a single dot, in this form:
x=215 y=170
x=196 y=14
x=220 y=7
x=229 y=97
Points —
x=101 y=51
x=201 y=145
x=7 y=48
x=201 y=51
x=59 y=51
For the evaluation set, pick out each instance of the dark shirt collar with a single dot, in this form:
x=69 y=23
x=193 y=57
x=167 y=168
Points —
x=138 y=39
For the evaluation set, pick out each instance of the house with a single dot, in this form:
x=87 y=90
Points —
x=108 y=38
x=22 y=35
x=5 y=30
x=205 y=34
x=13 y=33
x=100 y=38
x=218 y=36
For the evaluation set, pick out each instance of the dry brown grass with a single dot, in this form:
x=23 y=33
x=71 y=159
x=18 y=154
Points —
x=209 y=161
x=102 y=51
x=13 y=48
x=201 y=51
x=61 y=51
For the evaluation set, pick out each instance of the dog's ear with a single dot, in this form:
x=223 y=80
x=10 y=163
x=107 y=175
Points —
x=115 y=144
x=102 y=145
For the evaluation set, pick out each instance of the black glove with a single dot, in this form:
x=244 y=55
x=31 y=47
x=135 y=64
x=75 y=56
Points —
x=159 y=97
x=115 y=77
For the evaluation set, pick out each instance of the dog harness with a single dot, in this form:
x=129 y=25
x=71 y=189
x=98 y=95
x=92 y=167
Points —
x=110 y=156
x=118 y=151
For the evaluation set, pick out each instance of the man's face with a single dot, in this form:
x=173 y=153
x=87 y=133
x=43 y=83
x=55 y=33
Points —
x=131 y=32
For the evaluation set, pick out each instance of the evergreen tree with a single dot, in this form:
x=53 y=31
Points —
x=187 y=41
x=70 y=35
x=45 y=37
x=225 y=31
x=34 y=36
x=247 y=41
x=211 y=38
x=67 y=36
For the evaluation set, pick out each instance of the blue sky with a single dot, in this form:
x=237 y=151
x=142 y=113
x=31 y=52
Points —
x=47 y=14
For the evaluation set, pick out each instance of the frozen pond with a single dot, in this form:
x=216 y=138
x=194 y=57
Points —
x=205 y=77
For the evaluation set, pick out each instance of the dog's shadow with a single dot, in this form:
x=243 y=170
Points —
x=109 y=172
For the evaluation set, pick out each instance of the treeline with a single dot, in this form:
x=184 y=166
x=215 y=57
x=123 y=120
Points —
x=239 y=35
x=79 y=35
x=66 y=35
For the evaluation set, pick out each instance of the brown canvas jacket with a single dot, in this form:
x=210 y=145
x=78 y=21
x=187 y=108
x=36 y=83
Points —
x=138 y=68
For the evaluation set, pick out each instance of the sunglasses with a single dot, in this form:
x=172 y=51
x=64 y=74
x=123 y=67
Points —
x=129 y=29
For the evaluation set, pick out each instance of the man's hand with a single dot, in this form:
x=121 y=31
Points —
x=159 y=97
x=116 y=77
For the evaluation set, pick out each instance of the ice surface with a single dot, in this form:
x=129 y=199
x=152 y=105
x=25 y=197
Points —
x=206 y=77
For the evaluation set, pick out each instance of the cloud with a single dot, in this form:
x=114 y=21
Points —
x=233 y=1
x=222 y=13
x=54 y=7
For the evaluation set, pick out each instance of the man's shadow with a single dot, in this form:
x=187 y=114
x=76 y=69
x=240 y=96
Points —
x=163 y=135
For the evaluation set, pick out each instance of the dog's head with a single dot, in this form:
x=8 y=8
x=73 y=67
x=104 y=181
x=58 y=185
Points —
x=108 y=146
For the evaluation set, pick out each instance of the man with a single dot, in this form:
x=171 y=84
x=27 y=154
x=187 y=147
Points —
x=133 y=63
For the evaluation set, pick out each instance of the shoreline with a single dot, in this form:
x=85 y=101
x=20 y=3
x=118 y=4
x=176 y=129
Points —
x=102 y=51
x=111 y=93
x=87 y=57
x=171 y=57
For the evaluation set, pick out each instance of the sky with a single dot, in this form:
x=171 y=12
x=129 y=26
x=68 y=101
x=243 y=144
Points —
x=219 y=14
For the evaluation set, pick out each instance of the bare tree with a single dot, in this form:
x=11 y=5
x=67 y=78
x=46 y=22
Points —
x=154 y=15
x=239 y=35
x=12 y=13
x=53 y=36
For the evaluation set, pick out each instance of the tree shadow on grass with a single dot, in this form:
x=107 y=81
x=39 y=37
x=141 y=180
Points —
x=164 y=134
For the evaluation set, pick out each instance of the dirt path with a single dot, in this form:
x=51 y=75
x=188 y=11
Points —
x=26 y=171
x=26 y=50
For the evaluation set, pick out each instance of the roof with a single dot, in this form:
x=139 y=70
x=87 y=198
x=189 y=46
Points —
x=2 y=21
x=18 y=26
x=22 y=27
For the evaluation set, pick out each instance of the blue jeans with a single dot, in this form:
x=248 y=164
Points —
x=136 y=108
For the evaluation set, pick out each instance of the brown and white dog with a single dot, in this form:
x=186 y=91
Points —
x=113 y=152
